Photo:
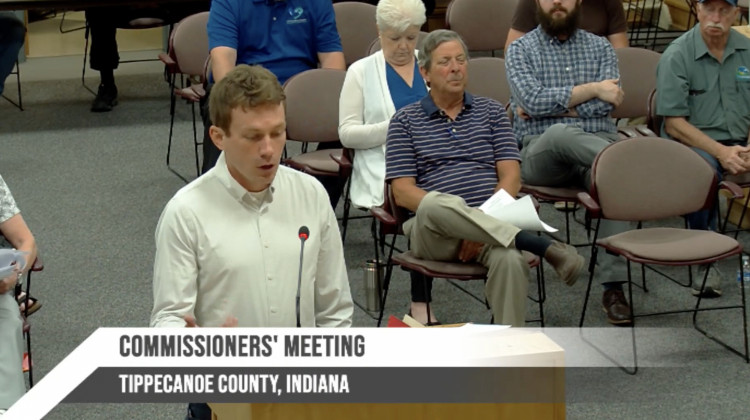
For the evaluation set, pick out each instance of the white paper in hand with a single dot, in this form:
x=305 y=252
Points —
x=7 y=259
x=520 y=213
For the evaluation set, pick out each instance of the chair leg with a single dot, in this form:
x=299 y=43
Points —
x=172 y=103
x=28 y=352
x=427 y=299
x=632 y=323
x=347 y=208
x=388 y=268
x=592 y=266
x=85 y=53
x=195 y=141
x=18 y=85
x=746 y=355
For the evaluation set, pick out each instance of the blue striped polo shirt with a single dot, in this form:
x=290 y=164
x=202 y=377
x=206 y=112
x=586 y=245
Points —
x=451 y=156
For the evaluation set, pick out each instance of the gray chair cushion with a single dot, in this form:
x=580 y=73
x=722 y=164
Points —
x=671 y=244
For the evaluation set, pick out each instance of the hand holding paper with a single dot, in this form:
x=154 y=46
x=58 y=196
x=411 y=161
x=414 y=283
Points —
x=520 y=213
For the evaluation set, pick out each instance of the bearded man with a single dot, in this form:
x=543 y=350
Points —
x=565 y=83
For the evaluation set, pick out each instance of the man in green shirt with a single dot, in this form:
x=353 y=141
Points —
x=703 y=81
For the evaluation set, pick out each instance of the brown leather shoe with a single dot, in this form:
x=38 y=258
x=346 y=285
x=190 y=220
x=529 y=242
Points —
x=616 y=307
x=566 y=261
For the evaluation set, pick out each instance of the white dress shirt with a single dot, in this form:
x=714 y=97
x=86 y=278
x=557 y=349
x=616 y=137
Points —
x=222 y=251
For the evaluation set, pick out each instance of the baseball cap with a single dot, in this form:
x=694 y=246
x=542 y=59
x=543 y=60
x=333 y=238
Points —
x=732 y=2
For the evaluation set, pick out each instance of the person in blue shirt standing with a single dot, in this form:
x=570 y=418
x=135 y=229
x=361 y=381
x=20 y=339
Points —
x=285 y=36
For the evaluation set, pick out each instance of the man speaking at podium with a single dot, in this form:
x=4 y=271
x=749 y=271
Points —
x=228 y=244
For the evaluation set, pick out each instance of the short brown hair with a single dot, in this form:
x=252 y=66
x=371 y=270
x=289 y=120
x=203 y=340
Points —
x=245 y=86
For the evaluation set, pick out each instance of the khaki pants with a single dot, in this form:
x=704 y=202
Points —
x=442 y=221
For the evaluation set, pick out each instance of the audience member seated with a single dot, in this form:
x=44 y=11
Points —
x=224 y=237
x=375 y=88
x=445 y=156
x=563 y=124
x=12 y=33
x=703 y=92
x=601 y=17
x=18 y=236
x=285 y=38
x=103 y=23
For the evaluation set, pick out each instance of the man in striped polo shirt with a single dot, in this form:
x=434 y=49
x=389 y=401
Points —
x=446 y=155
x=565 y=83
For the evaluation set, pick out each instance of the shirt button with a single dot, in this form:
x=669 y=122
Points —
x=265 y=244
x=274 y=18
x=270 y=278
x=567 y=68
x=273 y=310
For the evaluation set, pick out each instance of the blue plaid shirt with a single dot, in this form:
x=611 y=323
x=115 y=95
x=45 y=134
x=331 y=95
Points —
x=542 y=72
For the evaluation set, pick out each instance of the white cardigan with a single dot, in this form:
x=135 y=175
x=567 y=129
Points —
x=365 y=110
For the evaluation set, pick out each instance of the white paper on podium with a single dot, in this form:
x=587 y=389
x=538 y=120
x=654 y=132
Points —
x=520 y=213
x=7 y=259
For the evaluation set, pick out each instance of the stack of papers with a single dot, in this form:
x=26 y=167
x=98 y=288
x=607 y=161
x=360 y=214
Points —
x=520 y=213
x=8 y=259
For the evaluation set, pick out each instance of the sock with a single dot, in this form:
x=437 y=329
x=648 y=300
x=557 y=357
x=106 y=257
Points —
x=537 y=245
x=107 y=77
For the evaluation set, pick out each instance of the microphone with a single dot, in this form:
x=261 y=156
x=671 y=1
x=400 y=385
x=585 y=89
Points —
x=303 y=234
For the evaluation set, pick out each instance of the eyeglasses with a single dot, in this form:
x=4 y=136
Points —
x=721 y=11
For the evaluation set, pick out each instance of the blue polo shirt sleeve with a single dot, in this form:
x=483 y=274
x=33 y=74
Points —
x=223 y=24
x=608 y=69
x=326 y=35
x=673 y=86
x=400 y=157
x=504 y=144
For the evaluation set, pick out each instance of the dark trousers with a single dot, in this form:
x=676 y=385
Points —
x=421 y=291
x=12 y=33
x=104 y=21
x=198 y=411
x=332 y=184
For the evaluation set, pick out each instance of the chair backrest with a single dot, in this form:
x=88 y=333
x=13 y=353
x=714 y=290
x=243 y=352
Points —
x=653 y=121
x=650 y=178
x=637 y=79
x=375 y=44
x=487 y=78
x=189 y=44
x=483 y=24
x=355 y=22
x=312 y=105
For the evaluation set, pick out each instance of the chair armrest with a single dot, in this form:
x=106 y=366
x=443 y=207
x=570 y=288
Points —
x=342 y=160
x=732 y=188
x=167 y=60
x=38 y=264
x=591 y=205
x=383 y=216
x=645 y=131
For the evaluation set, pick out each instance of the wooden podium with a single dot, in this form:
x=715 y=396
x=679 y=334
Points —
x=530 y=349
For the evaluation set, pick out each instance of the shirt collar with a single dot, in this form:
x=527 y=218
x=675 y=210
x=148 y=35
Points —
x=550 y=39
x=233 y=187
x=429 y=107
x=735 y=42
